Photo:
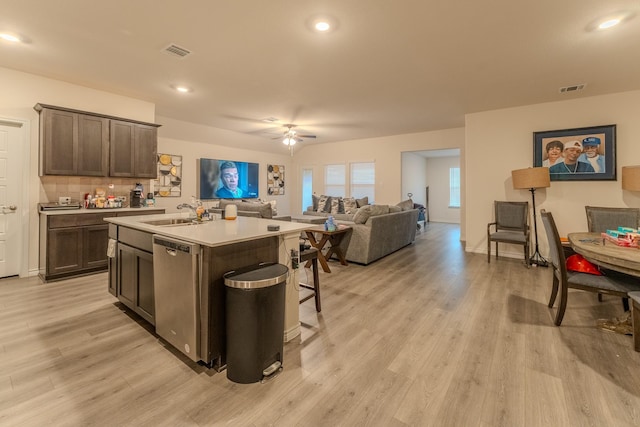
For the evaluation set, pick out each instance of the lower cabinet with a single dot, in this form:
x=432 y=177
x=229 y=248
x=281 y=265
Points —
x=134 y=280
x=76 y=244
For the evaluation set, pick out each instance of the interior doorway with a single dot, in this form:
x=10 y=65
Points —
x=13 y=199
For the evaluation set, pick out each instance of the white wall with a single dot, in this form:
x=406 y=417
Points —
x=193 y=142
x=500 y=141
x=438 y=182
x=414 y=177
x=386 y=152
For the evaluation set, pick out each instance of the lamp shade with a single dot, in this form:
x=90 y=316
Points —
x=631 y=178
x=531 y=178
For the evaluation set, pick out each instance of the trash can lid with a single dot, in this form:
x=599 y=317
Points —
x=256 y=276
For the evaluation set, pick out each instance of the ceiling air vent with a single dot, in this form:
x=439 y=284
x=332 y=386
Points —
x=175 y=50
x=572 y=88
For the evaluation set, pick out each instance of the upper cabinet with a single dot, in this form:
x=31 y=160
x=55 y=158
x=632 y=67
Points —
x=79 y=143
x=133 y=150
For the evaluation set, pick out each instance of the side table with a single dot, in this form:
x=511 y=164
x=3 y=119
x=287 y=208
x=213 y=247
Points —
x=333 y=238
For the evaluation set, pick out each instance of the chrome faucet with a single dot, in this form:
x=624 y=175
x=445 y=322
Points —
x=193 y=207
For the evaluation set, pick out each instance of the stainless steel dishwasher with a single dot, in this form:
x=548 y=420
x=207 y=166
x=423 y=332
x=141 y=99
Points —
x=176 y=271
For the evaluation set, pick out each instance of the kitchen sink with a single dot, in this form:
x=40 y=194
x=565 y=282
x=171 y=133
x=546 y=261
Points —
x=171 y=221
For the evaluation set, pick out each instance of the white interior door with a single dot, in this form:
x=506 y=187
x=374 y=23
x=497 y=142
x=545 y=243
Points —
x=10 y=198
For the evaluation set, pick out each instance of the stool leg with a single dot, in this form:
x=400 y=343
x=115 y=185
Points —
x=316 y=283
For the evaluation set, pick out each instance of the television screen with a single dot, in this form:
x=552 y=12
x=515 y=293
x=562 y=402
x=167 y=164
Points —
x=228 y=179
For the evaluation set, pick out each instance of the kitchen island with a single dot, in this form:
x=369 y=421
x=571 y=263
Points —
x=222 y=246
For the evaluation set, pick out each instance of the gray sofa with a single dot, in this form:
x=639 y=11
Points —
x=379 y=236
x=256 y=210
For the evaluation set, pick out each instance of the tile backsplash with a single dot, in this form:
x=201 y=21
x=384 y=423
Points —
x=76 y=187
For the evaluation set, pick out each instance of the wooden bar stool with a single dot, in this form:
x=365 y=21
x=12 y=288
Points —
x=312 y=255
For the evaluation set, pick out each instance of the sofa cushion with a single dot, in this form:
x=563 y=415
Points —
x=362 y=202
x=323 y=201
x=314 y=205
x=350 y=205
x=394 y=209
x=362 y=215
x=406 y=205
x=379 y=209
x=335 y=205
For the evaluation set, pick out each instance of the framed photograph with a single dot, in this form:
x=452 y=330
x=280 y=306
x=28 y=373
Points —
x=583 y=154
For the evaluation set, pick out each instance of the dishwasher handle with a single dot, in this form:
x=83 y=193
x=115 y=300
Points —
x=172 y=247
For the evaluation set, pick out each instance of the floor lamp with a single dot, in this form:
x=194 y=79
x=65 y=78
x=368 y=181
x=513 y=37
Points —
x=530 y=179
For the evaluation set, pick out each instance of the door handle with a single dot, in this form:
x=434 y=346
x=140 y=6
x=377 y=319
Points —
x=10 y=207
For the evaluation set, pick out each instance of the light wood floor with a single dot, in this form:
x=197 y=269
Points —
x=427 y=336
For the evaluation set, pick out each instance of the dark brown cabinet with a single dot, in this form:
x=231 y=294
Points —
x=133 y=150
x=76 y=244
x=80 y=143
x=134 y=280
x=73 y=143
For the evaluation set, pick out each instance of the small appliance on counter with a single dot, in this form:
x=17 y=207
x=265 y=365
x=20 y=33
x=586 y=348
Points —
x=137 y=197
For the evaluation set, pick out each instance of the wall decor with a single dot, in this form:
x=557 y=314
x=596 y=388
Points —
x=581 y=154
x=169 y=182
x=275 y=180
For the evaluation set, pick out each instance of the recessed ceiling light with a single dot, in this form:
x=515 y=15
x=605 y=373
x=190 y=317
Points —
x=322 y=26
x=9 y=37
x=182 y=89
x=609 y=23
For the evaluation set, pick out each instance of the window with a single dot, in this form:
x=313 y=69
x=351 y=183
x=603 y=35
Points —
x=334 y=178
x=363 y=180
x=454 y=187
x=307 y=188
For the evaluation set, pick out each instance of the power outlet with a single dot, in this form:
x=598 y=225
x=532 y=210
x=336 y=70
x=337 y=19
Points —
x=64 y=200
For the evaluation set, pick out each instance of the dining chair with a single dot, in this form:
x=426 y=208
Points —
x=635 y=316
x=511 y=225
x=612 y=283
x=601 y=219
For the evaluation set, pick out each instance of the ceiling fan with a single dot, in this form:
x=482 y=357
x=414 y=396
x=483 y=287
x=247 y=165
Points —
x=291 y=137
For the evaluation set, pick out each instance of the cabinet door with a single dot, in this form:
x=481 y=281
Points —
x=93 y=145
x=121 y=147
x=127 y=271
x=134 y=286
x=59 y=139
x=145 y=151
x=145 y=305
x=96 y=240
x=64 y=250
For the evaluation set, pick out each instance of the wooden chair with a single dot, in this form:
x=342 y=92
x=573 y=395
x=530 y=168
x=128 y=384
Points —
x=612 y=284
x=511 y=226
x=601 y=219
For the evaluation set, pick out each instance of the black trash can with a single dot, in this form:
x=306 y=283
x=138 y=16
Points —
x=255 y=300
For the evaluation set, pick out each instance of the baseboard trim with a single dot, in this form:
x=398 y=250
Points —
x=291 y=333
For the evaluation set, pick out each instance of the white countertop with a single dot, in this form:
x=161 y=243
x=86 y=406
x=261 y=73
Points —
x=211 y=233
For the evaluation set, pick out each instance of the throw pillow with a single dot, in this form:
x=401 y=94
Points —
x=395 y=209
x=350 y=205
x=406 y=205
x=274 y=209
x=362 y=215
x=362 y=202
x=335 y=205
x=322 y=203
x=379 y=210
x=314 y=205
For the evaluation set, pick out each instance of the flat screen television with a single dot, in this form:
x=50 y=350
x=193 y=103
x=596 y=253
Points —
x=228 y=179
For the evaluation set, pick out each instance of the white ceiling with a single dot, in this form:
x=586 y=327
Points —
x=391 y=67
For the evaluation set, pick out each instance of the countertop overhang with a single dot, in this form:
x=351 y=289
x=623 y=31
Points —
x=213 y=233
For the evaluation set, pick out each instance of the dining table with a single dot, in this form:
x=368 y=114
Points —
x=600 y=251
